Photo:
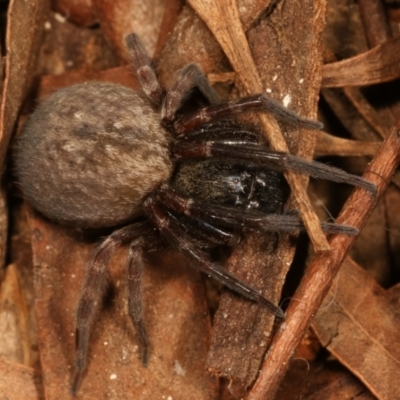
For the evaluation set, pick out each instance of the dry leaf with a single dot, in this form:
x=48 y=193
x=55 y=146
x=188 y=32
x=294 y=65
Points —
x=67 y=47
x=241 y=329
x=15 y=343
x=19 y=383
x=359 y=324
x=122 y=17
x=81 y=12
x=24 y=29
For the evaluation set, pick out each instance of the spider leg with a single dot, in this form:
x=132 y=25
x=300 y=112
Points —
x=248 y=154
x=92 y=294
x=172 y=230
x=144 y=71
x=225 y=130
x=208 y=233
x=188 y=78
x=135 y=269
x=257 y=103
x=229 y=217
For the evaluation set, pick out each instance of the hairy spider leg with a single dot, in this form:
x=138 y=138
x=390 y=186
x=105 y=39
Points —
x=188 y=78
x=173 y=231
x=209 y=233
x=255 y=103
x=225 y=130
x=245 y=220
x=144 y=71
x=135 y=271
x=241 y=153
x=94 y=287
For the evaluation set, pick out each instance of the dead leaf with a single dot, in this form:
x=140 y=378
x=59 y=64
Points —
x=67 y=47
x=15 y=344
x=333 y=383
x=18 y=382
x=81 y=12
x=24 y=29
x=122 y=17
x=241 y=330
x=359 y=324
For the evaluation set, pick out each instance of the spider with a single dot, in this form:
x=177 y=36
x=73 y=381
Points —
x=99 y=155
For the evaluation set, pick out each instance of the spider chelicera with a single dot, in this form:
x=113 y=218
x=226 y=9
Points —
x=101 y=155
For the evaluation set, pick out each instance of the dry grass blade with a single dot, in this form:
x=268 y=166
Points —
x=378 y=65
x=222 y=18
x=322 y=270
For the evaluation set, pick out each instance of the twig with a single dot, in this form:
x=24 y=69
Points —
x=328 y=145
x=375 y=22
x=322 y=271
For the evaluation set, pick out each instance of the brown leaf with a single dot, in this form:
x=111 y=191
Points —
x=122 y=17
x=372 y=248
x=121 y=75
x=314 y=375
x=67 y=47
x=80 y=12
x=3 y=228
x=392 y=201
x=24 y=30
x=18 y=382
x=242 y=330
x=333 y=383
x=182 y=49
x=15 y=343
x=359 y=324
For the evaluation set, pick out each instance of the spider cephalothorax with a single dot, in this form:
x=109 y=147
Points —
x=101 y=155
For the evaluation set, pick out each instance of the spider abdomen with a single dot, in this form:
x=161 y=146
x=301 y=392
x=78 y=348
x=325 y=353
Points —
x=90 y=153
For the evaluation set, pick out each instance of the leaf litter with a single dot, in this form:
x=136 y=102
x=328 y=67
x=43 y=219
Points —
x=281 y=54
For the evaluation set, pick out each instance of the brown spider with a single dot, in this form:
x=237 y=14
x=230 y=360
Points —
x=107 y=156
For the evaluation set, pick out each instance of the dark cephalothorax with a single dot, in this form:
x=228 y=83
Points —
x=101 y=155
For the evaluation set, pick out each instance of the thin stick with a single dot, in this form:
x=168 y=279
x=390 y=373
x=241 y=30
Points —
x=322 y=271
